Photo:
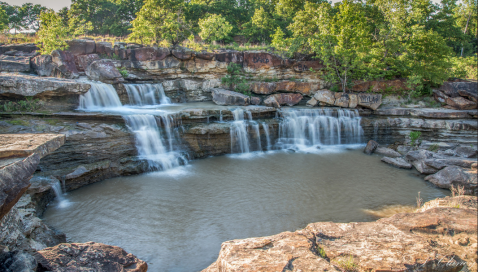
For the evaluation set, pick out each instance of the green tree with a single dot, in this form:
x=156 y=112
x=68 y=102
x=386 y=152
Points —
x=260 y=27
x=278 y=39
x=3 y=20
x=78 y=27
x=30 y=15
x=343 y=41
x=214 y=28
x=160 y=20
x=52 y=34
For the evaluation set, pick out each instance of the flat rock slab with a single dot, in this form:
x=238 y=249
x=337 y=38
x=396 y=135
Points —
x=397 y=162
x=24 y=85
x=428 y=113
x=384 y=151
x=89 y=256
x=399 y=243
x=456 y=176
x=23 y=145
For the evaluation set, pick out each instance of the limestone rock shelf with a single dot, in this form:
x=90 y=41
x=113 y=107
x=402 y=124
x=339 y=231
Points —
x=419 y=241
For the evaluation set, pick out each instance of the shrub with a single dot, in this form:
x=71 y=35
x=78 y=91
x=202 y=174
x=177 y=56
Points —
x=214 y=28
x=124 y=73
x=414 y=137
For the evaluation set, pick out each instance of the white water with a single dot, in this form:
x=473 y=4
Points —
x=302 y=129
x=239 y=133
x=268 y=137
x=146 y=94
x=100 y=96
x=151 y=145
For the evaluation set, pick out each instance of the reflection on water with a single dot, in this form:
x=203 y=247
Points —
x=176 y=220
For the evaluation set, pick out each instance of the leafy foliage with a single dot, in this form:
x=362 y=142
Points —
x=214 y=28
x=414 y=138
x=30 y=104
x=235 y=79
x=52 y=34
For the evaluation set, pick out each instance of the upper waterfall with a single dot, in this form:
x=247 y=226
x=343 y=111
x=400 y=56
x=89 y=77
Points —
x=146 y=94
x=99 y=96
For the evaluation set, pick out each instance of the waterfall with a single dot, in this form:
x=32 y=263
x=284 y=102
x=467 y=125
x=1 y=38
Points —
x=265 y=126
x=99 y=96
x=146 y=94
x=239 y=134
x=313 y=127
x=151 y=144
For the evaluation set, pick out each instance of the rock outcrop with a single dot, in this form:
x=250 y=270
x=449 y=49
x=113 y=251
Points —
x=89 y=256
x=226 y=98
x=18 y=162
x=289 y=99
x=458 y=95
x=418 y=241
x=370 y=147
x=456 y=176
x=65 y=64
x=104 y=71
x=14 y=64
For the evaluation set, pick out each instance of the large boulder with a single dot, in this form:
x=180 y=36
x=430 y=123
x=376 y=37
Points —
x=289 y=99
x=104 y=48
x=397 y=162
x=371 y=101
x=150 y=53
x=304 y=88
x=388 y=152
x=65 y=63
x=325 y=96
x=225 y=98
x=456 y=176
x=442 y=163
x=14 y=64
x=271 y=101
x=83 y=61
x=104 y=71
x=263 y=87
x=43 y=65
x=461 y=103
x=342 y=100
x=81 y=47
x=453 y=89
x=89 y=256
x=371 y=147
x=418 y=157
x=466 y=151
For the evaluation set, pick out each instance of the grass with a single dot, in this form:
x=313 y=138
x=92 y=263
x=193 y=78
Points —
x=455 y=192
x=347 y=264
x=18 y=122
x=321 y=252
x=433 y=148
x=52 y=122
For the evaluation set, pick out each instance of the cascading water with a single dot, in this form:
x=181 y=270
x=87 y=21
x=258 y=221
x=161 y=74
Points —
x=239 y=134
x=150 y=143
x=265 y=126
x=302 y=128
x=100 y=96
x=146 y=94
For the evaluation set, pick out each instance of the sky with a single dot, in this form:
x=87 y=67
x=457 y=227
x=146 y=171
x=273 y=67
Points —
x=58 y=4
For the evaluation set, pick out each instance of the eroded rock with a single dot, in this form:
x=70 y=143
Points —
x=65 y=64
x=43 y=65
x=104 y=71
x=371 y=101
x=325 y=96
x=384 y=151
x=397 y=162
x=89 y=256
x=289 y=99
x=371 y=147
x=14 y=64
x=456 y=176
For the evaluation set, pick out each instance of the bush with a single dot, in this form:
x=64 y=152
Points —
x=464 y=67
x=414 y=137
x=235 y=79
x=28 y=105
x=214 y=28
x=52 y=34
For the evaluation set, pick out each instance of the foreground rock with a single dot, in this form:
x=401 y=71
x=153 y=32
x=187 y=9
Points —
x=89 y=256
x=18 y=162
x=456 y=176
x=404 y=242
x=397 y=162
x=228 y=98
x=384 y=151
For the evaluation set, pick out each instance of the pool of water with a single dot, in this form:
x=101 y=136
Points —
x=176 y=220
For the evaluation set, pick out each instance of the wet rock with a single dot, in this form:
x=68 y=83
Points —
x=255 y=100
x=89 y=256
x=387 y=152
x=104 y=71
x=289 y=99
x=466 y=151
x=14 y=64
x=43 y=65
x=457 y=176
x=312 y=102
x=15 y=261
x=342 y=100
x=371 y=147
x=371 y=101
x=263 y=87
x=24 y=86
x=65 y=63
x=224 y=97
x=258 y=60
x=397 y=162
x=81 y=47
x=325 y=96
x=83 y=61
x=461 y=103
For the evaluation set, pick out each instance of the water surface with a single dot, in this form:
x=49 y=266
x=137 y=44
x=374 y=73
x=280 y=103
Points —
x=176 y=220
